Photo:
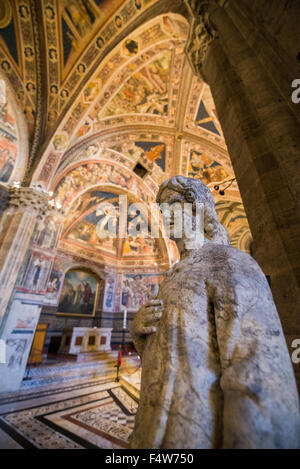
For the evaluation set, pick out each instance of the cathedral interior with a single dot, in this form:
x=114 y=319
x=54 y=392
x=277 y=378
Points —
x=102 y=99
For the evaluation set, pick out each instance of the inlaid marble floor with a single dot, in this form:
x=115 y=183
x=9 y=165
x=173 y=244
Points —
x=97 y=413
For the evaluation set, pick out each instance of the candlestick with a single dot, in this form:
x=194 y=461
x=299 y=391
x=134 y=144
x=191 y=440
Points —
x=124 y=318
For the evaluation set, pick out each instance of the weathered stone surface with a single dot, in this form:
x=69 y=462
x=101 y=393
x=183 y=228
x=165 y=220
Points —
x=250 y=67
x=216 y=369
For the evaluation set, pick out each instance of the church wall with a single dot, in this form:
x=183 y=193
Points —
x=27 y=253
x=122 y=290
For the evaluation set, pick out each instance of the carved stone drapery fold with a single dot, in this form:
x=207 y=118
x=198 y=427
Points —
x=201 y=35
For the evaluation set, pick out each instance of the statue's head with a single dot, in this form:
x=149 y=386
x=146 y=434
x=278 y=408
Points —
x=180 y=189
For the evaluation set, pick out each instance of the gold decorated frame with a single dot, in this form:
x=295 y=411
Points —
x=75 y=315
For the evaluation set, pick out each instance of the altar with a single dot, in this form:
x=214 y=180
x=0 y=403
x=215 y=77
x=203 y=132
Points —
x=85 y=340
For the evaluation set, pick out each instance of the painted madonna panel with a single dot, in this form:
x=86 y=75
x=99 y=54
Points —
x=79 y=294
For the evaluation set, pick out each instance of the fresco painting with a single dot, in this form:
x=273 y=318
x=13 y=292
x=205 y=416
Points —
x=205 y=168
x=91 y=92
x=79 y=294
x=92 y=228
x=129 y=149
x=8 y=136
x=140 y=246
x=139 y=241
x=94 y=214
x=137 y=289
x=155 y=152
x=145 y=92
x=35 y=273
x=84 y=129
x=90 y=174
x=85 y=203
x=53 y=288
x=109 y=294
x=79 y=20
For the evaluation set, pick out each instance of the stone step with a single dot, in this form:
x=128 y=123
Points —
x=104 y=366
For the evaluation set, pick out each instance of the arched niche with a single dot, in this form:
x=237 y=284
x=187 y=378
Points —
x=86 y=231
x=14 y=145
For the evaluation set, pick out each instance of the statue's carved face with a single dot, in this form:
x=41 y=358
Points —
x=174 y=207
x=171 y=198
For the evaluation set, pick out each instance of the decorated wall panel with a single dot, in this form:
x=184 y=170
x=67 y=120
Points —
x=137 y=289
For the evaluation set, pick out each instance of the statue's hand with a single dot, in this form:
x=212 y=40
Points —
x=147 y=317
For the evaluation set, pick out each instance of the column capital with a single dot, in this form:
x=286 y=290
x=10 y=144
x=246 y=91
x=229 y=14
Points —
x=202 y=32
x=24 y=199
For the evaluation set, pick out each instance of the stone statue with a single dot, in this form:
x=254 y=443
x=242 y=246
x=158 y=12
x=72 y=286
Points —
x=216 y=372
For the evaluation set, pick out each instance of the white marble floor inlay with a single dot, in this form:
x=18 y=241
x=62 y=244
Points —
x=86 y=415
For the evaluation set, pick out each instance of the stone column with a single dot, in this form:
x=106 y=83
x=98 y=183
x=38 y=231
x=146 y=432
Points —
x=261 y=129
x=27 y=251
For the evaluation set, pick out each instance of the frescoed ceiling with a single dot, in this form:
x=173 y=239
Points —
x=96 y=223
x=146 y=92
x=112 y=107
x=18 y=55
x=78 y=21
x=8 y=136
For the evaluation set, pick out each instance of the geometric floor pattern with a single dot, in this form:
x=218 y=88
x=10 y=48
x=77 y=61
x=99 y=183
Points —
x=98 y=414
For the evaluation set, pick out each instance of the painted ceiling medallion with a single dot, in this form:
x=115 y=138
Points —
x=5 y=13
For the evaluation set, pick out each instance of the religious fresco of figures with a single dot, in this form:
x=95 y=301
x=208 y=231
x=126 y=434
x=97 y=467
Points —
x=47 y=233
x=53 y=288
x=8 y=136
x=35 y=274
x=94 y=223
x=95 y=227
x=79 y=20
x=205 y=168
x=96 y=173
x=137 y=289
x=79 y=294
x=140 y=245
x=145 y=92
x=139 y=241
x=109 y=294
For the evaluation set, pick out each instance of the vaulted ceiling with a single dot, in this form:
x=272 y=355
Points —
x=106 y=89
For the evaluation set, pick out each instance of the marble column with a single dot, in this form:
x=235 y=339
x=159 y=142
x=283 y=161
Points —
x=29 y=232
x=250 y=74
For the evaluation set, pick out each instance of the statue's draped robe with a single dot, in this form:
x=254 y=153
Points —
x=217 y=373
